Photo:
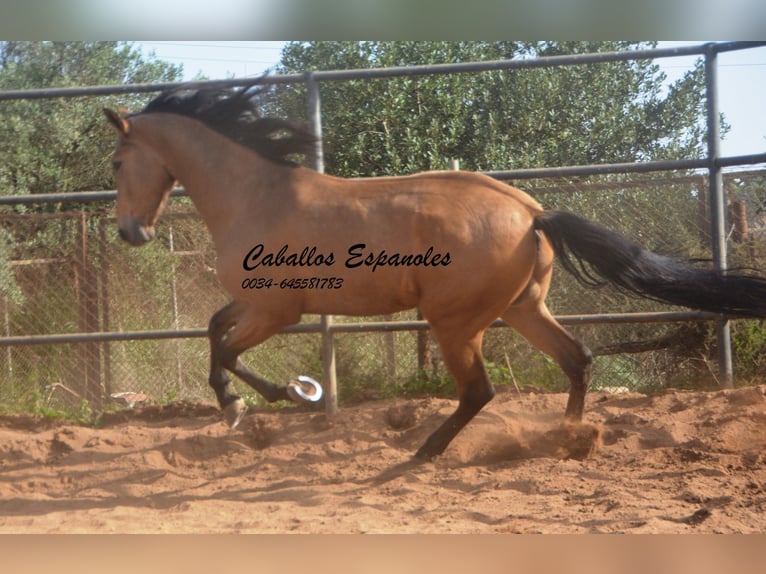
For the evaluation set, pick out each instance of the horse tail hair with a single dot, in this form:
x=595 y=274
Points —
x=596 y=255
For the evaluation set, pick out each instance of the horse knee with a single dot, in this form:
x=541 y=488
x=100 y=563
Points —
x=218 y=379
x=220 y=322
x=465 y=363
x=476 y=393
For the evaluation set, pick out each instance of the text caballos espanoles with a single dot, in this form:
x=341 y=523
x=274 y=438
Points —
x=357 y=256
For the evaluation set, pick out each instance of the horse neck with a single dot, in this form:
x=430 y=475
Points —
x=209 y=166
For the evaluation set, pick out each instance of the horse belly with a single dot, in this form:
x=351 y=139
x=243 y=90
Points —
x=364 y=293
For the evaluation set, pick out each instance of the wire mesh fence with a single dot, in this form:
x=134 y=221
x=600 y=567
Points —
x=67 y=271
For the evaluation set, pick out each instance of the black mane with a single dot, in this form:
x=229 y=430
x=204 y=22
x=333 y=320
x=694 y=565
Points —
x=234 y=113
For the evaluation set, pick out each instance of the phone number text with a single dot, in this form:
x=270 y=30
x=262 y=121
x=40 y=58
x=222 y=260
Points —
x=303 y=283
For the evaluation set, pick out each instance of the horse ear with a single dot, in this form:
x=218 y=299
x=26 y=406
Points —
x=120 y=124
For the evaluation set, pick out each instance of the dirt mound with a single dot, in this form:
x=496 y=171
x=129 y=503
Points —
x=672 y=462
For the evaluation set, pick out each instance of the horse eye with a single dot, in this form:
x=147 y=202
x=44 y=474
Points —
x=116 y=165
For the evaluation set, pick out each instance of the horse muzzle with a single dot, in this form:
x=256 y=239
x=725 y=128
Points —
x=135 y=233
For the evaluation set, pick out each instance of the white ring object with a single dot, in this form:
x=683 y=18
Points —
x=296 y=391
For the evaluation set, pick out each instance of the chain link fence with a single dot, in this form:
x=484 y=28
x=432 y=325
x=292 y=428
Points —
x=66 y=271
x=668 y=213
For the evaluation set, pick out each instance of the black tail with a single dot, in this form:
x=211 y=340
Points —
x=593 y=254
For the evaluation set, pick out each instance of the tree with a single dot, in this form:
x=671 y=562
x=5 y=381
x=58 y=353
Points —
x=570 y=115
x=63 y=144
x=49 y=146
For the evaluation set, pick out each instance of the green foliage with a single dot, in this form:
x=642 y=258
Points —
x=48 y=146
x=426 y=384
x=37 y=402
x=749 y=342
x=748 y=252
x=63 y=144
x=565 y=115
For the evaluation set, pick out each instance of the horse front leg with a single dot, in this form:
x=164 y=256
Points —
x=463 y=358
x=232 y=331
x=231 y=403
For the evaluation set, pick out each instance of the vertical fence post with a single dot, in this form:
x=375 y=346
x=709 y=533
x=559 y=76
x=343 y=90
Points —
x=7 y=333
x=91 y=388
x=313 y=108
x=103 y=297
x=176 y=322
x=717 y=208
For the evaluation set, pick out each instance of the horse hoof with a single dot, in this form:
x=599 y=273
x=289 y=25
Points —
x=422 y=456
x=304 y=390
x=234 y=412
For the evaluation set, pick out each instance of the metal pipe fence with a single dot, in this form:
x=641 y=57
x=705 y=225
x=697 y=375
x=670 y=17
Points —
x=94 y=275
x=420 y=70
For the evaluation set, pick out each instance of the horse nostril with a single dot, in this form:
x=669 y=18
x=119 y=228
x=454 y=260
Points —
x=123 y=234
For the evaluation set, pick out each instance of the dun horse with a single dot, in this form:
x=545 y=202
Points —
x=462 y=247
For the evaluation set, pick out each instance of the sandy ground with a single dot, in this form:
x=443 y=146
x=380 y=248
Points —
x=676 y=462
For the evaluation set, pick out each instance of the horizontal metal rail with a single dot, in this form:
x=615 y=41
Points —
x=362 y=327
x=401 y=71
x=533 y=173
x=71 y=197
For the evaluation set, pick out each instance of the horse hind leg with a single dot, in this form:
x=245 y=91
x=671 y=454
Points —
x=539 y=327
x=464 y=360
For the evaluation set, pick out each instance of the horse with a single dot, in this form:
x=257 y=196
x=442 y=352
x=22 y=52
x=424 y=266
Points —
x=462 y=247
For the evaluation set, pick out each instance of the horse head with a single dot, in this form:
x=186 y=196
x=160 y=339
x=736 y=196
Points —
x=143 y=182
